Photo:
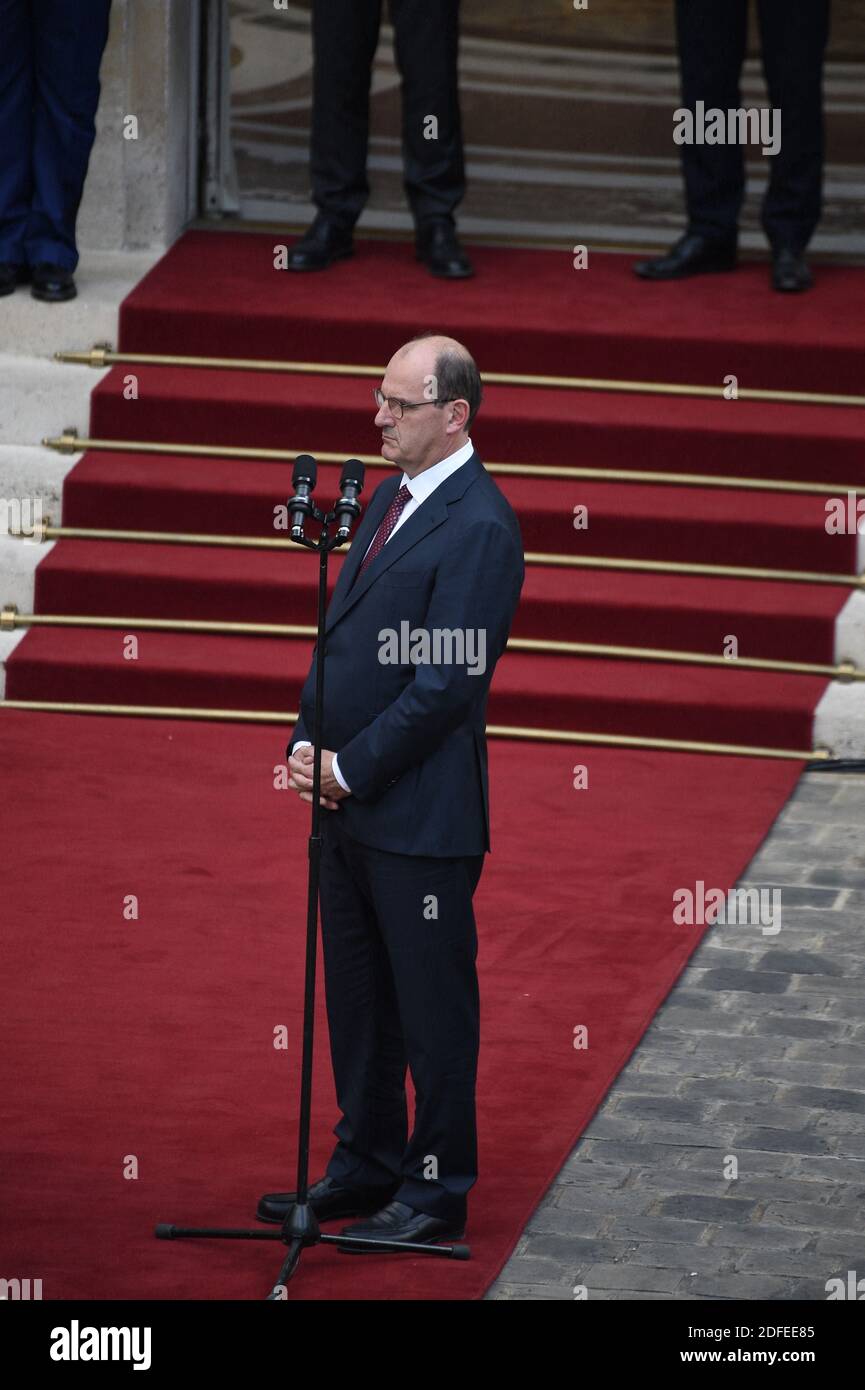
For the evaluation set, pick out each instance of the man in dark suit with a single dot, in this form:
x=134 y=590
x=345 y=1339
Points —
x=712 y=38
x=405 y=790
x=50 y=53
x=345 y=36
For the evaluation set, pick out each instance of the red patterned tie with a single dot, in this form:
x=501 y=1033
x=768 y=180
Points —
x=386 y=525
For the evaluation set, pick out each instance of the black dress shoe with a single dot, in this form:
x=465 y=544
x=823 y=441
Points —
x=52 y=283
x=11 y=276
x=691 y=255
x=324 y=242
x=328 y=1199
x=437 y=245
x=790 y=273
x=398 y=1221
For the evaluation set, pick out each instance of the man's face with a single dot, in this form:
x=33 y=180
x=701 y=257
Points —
x=422 y=437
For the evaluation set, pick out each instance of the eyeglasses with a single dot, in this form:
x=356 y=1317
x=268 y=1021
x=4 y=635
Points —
x=396 y=407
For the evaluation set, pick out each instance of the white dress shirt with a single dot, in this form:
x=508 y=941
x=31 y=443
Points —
x=421 y=487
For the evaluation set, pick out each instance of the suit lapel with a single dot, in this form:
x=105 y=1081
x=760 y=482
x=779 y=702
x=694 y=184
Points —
x=422 y=521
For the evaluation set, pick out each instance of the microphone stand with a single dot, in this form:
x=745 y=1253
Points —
x=300 y=1227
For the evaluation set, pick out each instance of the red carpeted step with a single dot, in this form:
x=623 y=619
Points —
x=684 y=702
x=515 y=425
x=217 y=293
x=791 y=622
x=697 y=525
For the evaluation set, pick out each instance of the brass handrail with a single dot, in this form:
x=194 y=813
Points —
x=44 y=531
x=102 y=355
x=11 y=619
x=70 y=442
x=670 y=745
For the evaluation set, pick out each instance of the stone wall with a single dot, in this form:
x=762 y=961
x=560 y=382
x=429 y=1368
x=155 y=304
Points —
x=140 y=192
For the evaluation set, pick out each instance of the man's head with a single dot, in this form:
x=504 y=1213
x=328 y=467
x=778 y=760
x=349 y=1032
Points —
x=437 y=385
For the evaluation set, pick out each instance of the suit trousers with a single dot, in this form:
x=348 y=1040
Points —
x=399 y=946
x=50 y=53
x=712 y=44
x=345 y=36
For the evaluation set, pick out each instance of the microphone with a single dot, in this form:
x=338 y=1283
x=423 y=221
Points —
x=347 y=509
x=303 y=481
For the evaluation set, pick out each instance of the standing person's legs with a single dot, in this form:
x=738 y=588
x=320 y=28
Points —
x=423 y=907
x=16 y=128
x=345 y=35
x=794 y=38
x=366 y=1044
x=69 y=38
x=426 y=40
x=712 y=38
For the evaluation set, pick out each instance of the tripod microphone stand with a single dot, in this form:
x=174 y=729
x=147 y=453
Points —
x=300 y=1227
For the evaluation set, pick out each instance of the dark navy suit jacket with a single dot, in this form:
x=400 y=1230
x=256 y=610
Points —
x=411 y=737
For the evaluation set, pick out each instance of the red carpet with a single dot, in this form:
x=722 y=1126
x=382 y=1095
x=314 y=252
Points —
x=153 y=1037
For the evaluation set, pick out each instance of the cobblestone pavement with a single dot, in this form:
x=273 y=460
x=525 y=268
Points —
x=758 y=1052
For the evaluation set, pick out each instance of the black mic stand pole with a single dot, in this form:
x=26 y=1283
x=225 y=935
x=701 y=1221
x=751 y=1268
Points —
x=300 y=1227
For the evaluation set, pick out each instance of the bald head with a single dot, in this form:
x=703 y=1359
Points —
x=436 y=380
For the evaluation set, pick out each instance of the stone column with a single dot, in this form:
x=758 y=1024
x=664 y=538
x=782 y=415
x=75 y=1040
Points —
x=140 y=191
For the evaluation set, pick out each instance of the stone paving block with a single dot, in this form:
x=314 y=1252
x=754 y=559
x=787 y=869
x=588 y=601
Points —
x=799 y=963
x=794 y=1069
x=759 y=1235
x=687 y=1066
x=632 y=1277
x=691 y=1206
x=575 y=1253
x=661 y=1108
x=750 y=1287
x=784 y=1262
x=834 y=1168
x=633 y=1082
x=559 y=1221
x=688 y=1259
x=824 y=1098
x=847 y=1218
x=748 y=981
x=789 y=1026
x=842 y=1247
x=781 y=1141
x=738 y=1048
x=672 y=1135
x=755 y=1162
x=525 y=1269
x=624 y=1151
x=707 y=1020
x=837 y=876
x=742 y=1088
x=579 y=1170
x=776 y=1116
x=666 y=1229
x=605 y=1201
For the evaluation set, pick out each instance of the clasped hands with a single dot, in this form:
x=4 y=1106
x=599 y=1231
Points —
x=300 y=778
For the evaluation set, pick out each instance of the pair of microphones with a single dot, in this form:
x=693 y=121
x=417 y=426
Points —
x=345 y=511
